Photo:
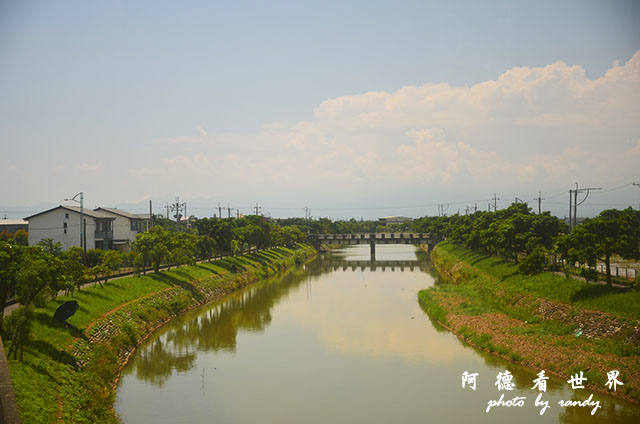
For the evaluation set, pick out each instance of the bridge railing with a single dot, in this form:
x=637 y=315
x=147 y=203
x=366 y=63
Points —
x=371 y=236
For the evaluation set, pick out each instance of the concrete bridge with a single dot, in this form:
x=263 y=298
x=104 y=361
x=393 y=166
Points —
x=372 y=239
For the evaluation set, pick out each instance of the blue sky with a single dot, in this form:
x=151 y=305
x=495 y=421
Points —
x=245 y=102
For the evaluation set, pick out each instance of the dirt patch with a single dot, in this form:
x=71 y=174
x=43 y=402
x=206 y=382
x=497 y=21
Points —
x=592 y=323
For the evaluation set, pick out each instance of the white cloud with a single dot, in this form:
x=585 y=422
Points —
x=91 y=168
x=530 y=129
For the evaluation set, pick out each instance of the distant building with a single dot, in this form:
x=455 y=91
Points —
x=62 y=224
x=125 y=226
x=13 y=225
x=578 y=220
x=105 y=228
x=394 y=220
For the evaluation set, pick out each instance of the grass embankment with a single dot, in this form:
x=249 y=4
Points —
x=533 y=320
x=68 y=373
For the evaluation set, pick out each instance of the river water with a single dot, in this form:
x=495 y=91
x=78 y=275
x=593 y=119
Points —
x=342 y=340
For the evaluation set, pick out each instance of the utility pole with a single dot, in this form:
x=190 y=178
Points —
x=228 y=211
x=539 y=199
x=178 y=208
x=575 y=206
x=257 y=209
x=495 y=202
x=219 y=210
x=637 y=185
x=475 y=208
x=150 y=215
x=575 y=202
x=167 y=210
x=83 y=236
x=570 y=209
x=307 y=212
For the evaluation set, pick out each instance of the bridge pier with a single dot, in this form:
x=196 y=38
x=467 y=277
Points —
x=373 y=251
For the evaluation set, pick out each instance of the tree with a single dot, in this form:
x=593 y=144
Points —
x=181 y=248
x=292 y=235
x=250 y=235
x=534 y=262
x=205 y=246
x=220 y=230
x=153 y=246
x=50 y=246
x=6 y=235
x=109 y=262
x=77 y=274
x=613 y=232
x=21 y=237
x=10 y=256
x=93 y=257
x=39 y=274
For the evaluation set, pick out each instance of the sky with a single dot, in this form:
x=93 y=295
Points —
x=356 y=109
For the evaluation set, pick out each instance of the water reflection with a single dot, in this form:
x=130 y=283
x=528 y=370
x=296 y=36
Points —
x=336 y=263
x=360 y=310
x=610 y=411
x=156 y=362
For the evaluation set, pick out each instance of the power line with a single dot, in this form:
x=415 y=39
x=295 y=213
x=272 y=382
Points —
x=576 y=204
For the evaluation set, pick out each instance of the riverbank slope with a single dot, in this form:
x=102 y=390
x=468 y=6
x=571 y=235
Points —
x=542 y=321
x=69 y=372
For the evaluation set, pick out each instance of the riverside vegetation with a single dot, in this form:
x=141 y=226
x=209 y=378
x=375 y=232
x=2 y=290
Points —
x=69 y=371
x=542 y=321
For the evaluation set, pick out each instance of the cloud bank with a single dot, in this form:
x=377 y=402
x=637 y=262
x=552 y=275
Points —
x=530 y=129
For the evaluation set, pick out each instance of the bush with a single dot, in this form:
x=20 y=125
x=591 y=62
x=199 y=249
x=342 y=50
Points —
x=534 y=262
x=589 y=274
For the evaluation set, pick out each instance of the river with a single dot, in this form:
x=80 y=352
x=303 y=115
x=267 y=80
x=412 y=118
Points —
x=342 y=340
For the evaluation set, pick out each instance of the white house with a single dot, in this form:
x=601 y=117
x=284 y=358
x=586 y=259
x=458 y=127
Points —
x=125 y=226
x=62 y=224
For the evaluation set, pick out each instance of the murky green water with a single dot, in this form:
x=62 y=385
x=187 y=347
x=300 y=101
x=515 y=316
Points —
x=342 y=341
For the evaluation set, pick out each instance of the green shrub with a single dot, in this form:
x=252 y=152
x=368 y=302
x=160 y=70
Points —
x=534 y=262
x=589 y=274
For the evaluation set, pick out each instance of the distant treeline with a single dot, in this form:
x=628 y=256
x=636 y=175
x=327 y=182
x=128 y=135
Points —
x=516 y=232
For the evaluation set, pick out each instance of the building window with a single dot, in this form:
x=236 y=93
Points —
x=66 y=215
x=64 y=225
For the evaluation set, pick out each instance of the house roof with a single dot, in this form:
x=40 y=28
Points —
x=76 y=209
x=13 y=222
x=116 y=211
